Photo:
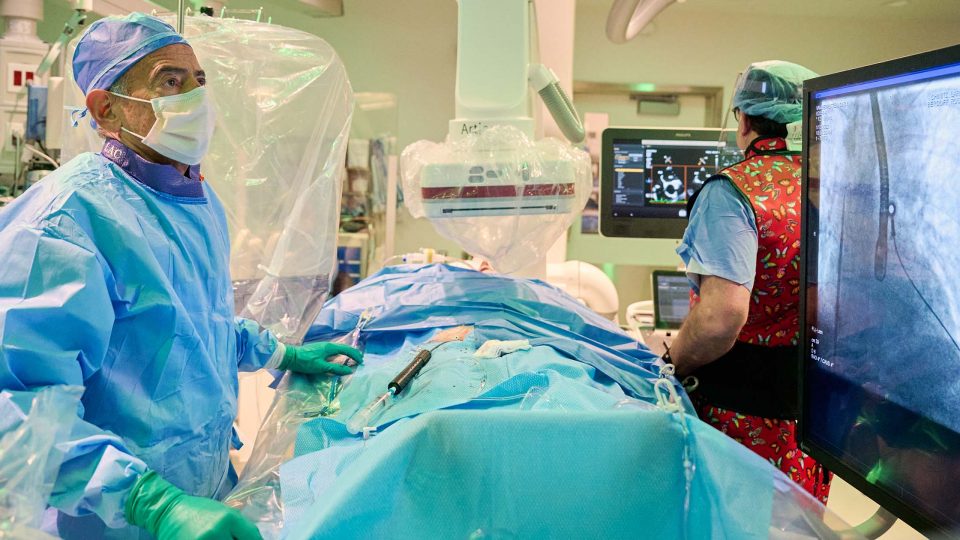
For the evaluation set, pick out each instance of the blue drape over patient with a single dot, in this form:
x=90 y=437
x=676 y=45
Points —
x=561 y=440
x=416 y=303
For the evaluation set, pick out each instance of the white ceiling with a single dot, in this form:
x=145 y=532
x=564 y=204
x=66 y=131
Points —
x=853 y=9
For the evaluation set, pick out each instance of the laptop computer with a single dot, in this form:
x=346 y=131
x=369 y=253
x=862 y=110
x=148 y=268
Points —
x=671 y=304
x=671 y=301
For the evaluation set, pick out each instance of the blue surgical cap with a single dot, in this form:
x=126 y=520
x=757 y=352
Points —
x=112 y=45
x=773 y=90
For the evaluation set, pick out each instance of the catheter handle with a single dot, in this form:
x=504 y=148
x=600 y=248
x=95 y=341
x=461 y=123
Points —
x=401 y=380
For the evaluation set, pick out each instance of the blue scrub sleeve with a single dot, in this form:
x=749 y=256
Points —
x=721 y=237
x=257 y=348
x=56 y=318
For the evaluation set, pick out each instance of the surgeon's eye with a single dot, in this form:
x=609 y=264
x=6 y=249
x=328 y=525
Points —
x=202 y=81
x=172 y=82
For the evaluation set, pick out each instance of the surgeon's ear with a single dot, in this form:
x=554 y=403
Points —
x=101 y=106
x=745 y=126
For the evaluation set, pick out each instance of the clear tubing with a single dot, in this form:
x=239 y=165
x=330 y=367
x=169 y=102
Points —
x=364 y=416
x=341 y=382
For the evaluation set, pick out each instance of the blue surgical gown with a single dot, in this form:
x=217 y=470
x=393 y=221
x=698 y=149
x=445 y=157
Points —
x=124 y=289
x=721 y=237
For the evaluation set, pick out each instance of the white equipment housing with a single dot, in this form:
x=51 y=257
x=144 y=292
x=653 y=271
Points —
x=493 y=59
x=495 y=72
x=588 y=284
x=628 y=18
x=453 y=190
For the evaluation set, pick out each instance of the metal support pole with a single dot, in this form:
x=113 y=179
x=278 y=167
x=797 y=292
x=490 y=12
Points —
x=181 y=12
x=391 y=226
x=874 y=527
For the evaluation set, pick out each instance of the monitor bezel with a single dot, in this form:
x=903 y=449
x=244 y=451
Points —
x=657 y=324
x=632 y=227
x=919 y=62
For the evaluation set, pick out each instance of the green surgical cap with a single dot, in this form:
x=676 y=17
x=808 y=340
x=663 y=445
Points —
x=773 y=90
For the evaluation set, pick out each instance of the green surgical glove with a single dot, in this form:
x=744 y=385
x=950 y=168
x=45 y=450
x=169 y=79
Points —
x=168 y=513
x=312 y=358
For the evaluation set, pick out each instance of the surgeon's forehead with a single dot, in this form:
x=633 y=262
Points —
x=172 y=58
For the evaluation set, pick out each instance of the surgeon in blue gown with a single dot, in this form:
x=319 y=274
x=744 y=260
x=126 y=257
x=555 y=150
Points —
x=115 y=277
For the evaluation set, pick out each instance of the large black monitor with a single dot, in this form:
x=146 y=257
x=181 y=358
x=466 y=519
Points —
x=648 y=174
x=881 y=266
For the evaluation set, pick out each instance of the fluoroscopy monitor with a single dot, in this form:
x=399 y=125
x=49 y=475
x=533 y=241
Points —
x=880 y=327
x=647 y=175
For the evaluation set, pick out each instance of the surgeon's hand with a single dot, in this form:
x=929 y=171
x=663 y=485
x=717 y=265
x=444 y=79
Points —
x=314 y=358
x=168 y=513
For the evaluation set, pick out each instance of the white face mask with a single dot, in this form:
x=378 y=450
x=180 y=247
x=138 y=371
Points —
x=184 y=125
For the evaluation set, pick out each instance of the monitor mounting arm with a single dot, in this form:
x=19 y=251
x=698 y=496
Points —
x=496 y=68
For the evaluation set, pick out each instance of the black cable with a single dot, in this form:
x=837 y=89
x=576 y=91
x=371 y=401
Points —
x=887 y=217
x=43 y=148
x=836 y=304
x=442 y=343
x=896 y=249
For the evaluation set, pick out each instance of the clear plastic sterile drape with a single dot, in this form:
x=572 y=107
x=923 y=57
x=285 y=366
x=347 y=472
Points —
x=499 y=194
x=32 y=425
x=284 y=106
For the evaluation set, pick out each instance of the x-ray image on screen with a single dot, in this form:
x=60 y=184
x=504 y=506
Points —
x=885 y=327
x=892 y=187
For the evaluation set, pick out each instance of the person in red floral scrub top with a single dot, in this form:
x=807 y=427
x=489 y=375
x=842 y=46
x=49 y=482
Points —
x=742 y=252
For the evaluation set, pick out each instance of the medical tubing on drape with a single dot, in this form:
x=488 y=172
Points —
x=668 y=400
x=353 y=338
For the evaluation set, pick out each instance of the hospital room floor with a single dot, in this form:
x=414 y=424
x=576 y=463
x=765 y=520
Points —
x=855 y=508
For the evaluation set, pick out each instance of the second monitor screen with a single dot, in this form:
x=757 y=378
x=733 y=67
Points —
x=656 y=178
x=672 y=297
